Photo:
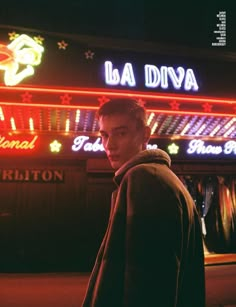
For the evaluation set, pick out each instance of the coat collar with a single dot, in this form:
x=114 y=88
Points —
x=145 y=156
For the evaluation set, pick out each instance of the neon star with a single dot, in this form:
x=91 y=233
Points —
x=65 y=99
x=55 y=146
x=89 y=55
x=174 y=105
x=103 y=100
x=173 y=149
x=207 y=107
x=26 y=97
x=62 y=45
x=39 y=39
x=13 y=35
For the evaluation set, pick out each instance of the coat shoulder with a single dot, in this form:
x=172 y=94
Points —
x=145 y=170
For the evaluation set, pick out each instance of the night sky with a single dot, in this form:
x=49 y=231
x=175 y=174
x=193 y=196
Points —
x=183 y=23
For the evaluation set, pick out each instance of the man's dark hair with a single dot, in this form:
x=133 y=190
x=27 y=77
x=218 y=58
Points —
x=126 y=106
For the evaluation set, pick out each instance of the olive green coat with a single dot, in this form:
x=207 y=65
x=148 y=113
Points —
x=152 y=253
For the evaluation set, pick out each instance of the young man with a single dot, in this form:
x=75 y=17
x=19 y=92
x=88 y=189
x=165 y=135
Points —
x=152 y=253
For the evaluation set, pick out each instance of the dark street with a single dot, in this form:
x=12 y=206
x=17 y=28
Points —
x=220 y=286
x=42 y=290
x=67 y=290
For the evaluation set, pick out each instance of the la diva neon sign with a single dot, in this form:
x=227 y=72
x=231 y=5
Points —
x=82 y=143
x=164 y=77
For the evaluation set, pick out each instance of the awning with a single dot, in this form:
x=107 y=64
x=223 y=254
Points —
x=73 y=110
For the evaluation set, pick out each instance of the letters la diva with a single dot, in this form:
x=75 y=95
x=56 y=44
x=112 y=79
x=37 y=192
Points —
x=164 y=77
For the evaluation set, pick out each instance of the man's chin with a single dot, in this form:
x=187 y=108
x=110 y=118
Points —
x=115 y=165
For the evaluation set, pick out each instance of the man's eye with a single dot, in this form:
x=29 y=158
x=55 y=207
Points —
x=122 y=133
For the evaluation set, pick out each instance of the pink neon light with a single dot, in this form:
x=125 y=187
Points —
x=48 y=105
x=189 y=113
x=96 y=108
x=105 y=92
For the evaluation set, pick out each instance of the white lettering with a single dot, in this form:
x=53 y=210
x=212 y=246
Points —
x=230 y=147
x=112 y=76
x=82 y=143
x=166 y=76
x=152 y=146
x=155 y=77
x=152 y=76
x=176 y=78
x=199 y=147
x=190 y=81
x=128 y=75
x=79 y=142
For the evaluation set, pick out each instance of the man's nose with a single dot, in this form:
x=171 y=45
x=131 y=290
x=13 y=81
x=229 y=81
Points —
x=110 y=144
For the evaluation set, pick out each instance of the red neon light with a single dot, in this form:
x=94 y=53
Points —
x=132 y=94
x=190 y=113
x=48 y=105
x=88 y=107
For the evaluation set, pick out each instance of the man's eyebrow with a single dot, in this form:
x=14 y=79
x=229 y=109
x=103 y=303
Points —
x=119 y=128
x=114 y=129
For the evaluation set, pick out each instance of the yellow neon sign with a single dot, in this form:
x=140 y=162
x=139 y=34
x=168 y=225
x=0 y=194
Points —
x=19 y=58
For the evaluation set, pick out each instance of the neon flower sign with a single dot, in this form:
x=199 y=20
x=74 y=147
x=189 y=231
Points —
x=82 y=143
x=55 y=146
x=164 y=77
x=23 y=52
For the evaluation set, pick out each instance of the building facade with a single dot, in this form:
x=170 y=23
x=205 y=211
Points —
x=54 y=177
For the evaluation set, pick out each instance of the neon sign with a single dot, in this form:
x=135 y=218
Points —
x=155 y=77
x=31 y=175
x=82 y=143
x=164 y=77
x=55 y=146
x=17 y=144
x=199 y=147
x=173 y=149
x=113 y=76
x=18 y=58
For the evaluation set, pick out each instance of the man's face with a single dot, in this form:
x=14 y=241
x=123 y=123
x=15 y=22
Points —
x=121 y=138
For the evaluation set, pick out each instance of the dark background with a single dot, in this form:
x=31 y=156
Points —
x=187 y=23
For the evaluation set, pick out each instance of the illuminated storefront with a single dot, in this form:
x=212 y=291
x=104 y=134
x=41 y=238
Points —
x=55 y=179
